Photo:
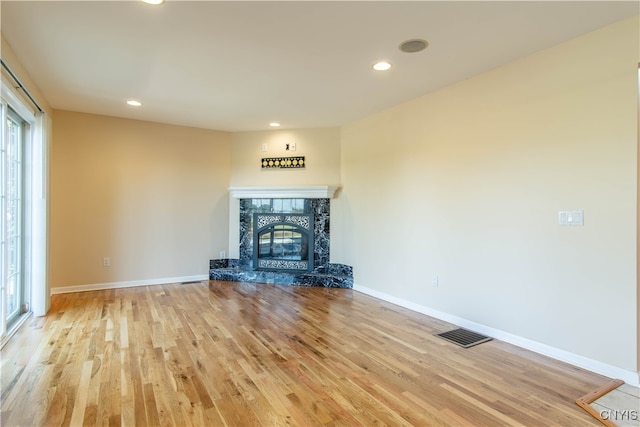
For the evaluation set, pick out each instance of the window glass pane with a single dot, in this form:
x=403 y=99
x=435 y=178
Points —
x=12 y=216
x=286 y=205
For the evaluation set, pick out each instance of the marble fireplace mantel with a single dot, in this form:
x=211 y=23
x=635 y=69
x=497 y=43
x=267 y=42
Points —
x=295 y=192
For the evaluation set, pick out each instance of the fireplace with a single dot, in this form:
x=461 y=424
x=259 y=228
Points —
x=289 y=234
x=284 y=238
x=283 y=242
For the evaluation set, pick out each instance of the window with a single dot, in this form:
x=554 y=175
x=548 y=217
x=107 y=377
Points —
x=11 y=223
x=23 y=211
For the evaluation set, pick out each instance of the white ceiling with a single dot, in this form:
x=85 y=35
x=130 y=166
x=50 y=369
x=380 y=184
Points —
x=238 y=65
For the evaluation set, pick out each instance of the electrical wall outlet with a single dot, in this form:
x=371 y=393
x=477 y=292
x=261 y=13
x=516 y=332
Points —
x=106 y=261
x=223 y=254
x=434 y=281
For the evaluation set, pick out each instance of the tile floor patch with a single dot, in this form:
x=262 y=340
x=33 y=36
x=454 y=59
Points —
x=621 y=406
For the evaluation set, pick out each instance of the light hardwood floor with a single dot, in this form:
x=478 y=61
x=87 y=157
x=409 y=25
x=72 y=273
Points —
x=243 y=354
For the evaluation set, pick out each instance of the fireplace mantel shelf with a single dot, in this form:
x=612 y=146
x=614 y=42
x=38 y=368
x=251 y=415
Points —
x=297 y=192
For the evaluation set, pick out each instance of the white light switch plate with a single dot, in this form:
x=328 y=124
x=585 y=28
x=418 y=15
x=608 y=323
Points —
x=571 y=217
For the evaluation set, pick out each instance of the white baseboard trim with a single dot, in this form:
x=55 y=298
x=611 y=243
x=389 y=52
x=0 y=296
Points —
x=601 y=368
x=129 y=284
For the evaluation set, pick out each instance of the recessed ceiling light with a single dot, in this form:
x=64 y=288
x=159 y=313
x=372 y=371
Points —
x=153 y=1
x=413 y=45
x=134 y=103
x=381 y=66
x=274 y=124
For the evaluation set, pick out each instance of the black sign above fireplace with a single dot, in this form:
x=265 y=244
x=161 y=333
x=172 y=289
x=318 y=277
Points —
x=283 y=242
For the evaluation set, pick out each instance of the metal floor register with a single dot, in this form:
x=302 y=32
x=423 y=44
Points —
x=464 y=338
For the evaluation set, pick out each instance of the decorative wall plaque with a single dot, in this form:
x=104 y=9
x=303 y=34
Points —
x=283 y=162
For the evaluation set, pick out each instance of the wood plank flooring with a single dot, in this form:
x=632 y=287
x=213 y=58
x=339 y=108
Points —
x=243 y=354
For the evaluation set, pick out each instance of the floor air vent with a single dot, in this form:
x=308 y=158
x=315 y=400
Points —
x=464 y=338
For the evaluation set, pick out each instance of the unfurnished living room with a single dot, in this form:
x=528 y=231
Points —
x=345 y=213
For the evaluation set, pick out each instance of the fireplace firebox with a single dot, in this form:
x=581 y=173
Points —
x=283 y=242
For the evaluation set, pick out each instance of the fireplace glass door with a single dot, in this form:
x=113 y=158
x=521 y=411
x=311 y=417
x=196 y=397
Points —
x=284 y=242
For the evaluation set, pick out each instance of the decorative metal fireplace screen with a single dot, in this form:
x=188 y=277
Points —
x=283 y=242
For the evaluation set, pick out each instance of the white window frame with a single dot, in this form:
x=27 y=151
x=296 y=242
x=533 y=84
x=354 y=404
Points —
x=35 y=163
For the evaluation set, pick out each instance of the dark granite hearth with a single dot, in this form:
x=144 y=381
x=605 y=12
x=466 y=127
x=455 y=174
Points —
x=328 y=276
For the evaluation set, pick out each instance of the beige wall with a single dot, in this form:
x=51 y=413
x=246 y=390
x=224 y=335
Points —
x=466 y=184
x=152 y=197
x=320 y=147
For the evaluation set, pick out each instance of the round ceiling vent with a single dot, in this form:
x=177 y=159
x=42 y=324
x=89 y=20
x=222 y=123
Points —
x=414 y=45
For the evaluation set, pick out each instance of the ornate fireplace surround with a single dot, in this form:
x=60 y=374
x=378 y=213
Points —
x=291 y=225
